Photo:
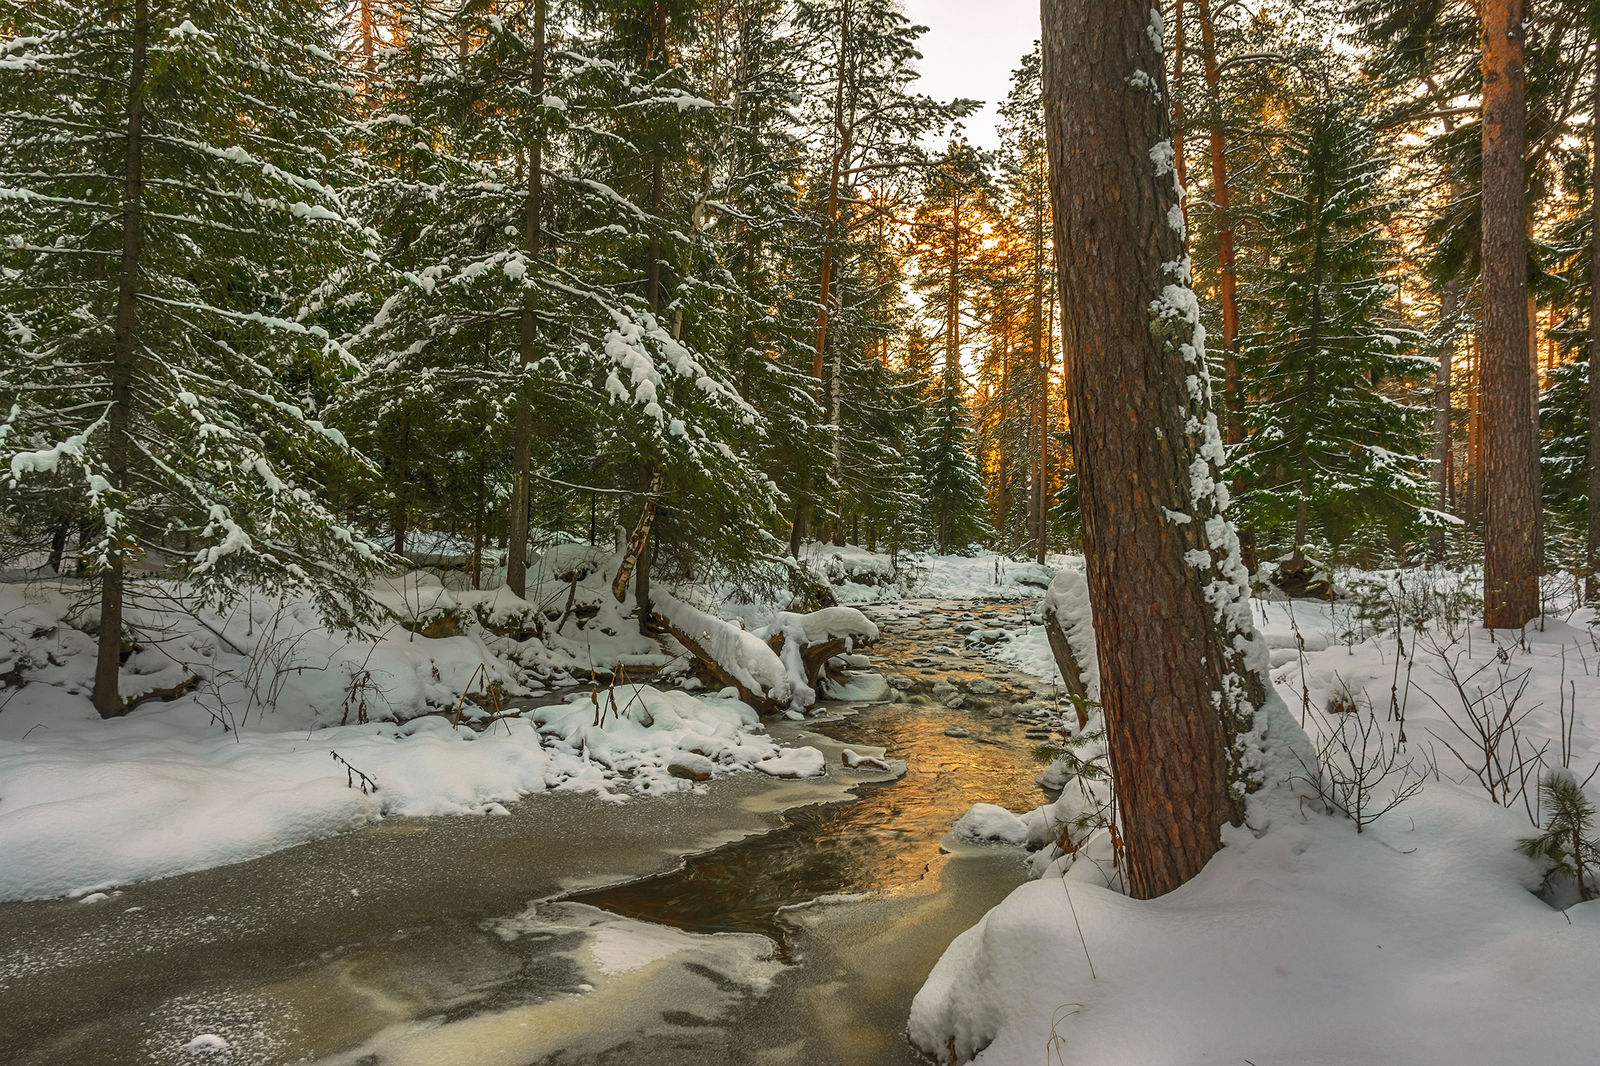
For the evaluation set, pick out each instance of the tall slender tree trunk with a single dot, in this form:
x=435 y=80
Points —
x=1227 y=268
x=1533 y=410
x=527 y=329
x=841 y=152
x=1510 y=448
x=108 y=662
x=1449 y=308
x=1449 y=313
x=1166 y=651
x=952 y=297
x=1179 y=54
x=1475 y=435
x=368 y=29
x=1041 y=356
x=1591 y=554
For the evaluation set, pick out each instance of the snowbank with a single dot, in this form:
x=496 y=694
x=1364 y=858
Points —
x=984 y=576
x=244 y=762
x=86 y=803
x=1311 y=945
x=1418 y=940
x=645 y=732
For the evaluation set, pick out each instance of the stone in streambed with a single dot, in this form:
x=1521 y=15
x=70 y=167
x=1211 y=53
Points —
x=691 y=767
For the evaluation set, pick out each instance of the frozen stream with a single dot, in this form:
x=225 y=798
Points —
x=573 y=931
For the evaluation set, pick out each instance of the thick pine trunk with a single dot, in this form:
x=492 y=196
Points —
x=1510 y=451
x=108 y=663
x=1591 y=555
x=527 y=332
x=1166 y=653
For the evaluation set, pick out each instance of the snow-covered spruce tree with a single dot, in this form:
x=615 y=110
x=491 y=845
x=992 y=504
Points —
x=1027 y=258
x=951 y=488
x=1564 y=457
x=863 y=128
x=739 y=298
x=1333 y=440
x=168 y=189
x=476 y=335
x=948 y=238
x=525 y=305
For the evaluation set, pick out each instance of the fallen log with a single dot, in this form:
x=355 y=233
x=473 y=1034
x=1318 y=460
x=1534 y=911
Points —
x=774 y=669
x=762 y=702
x=1069 y=627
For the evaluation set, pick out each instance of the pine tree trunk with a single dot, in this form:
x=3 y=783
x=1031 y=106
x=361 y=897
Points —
x=1227 y=270
x=1041 y=355
x=1165 y=651
x=1475 y=435
x=58 y=547
x=1591 y=554
x=527 y=332
x=108 y=662
x=841 y=152
x=1179 y=54
x=368 y=31
x=1449 y=308
x=1533 y=409
x=1510 y=451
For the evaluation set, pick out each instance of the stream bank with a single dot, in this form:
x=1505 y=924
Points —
x=415 y=940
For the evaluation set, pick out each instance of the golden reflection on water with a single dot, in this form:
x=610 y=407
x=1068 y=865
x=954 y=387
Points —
x=883 y=843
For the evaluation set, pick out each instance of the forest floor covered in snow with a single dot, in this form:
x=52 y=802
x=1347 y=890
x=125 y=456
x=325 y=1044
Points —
x=1425 y=938
x=265 y=729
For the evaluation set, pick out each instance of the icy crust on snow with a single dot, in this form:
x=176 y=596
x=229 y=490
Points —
x=635 y=975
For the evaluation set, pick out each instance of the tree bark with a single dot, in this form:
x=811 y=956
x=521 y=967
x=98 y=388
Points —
x=1041 y=355
x=1175 y=685
x=841 y=151
x=527 y=331
x=637 y=540
x=1179 y=54
x=1591 y=553
x=1227 y=268
x=1449 y=308
x=1510 y=450
x=108 y=662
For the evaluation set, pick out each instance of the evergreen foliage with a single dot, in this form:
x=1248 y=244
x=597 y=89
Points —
x=1567 y=845
x=1332 y=434
x=171 y=203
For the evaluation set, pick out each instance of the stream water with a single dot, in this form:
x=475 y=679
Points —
x=797 y=929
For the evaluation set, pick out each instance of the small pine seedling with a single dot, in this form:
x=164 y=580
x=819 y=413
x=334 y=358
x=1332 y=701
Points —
x=1567 y=844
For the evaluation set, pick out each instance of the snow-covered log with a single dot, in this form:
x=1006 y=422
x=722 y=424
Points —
x=1070 y=627
x=775 y=668
x=735 y=657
